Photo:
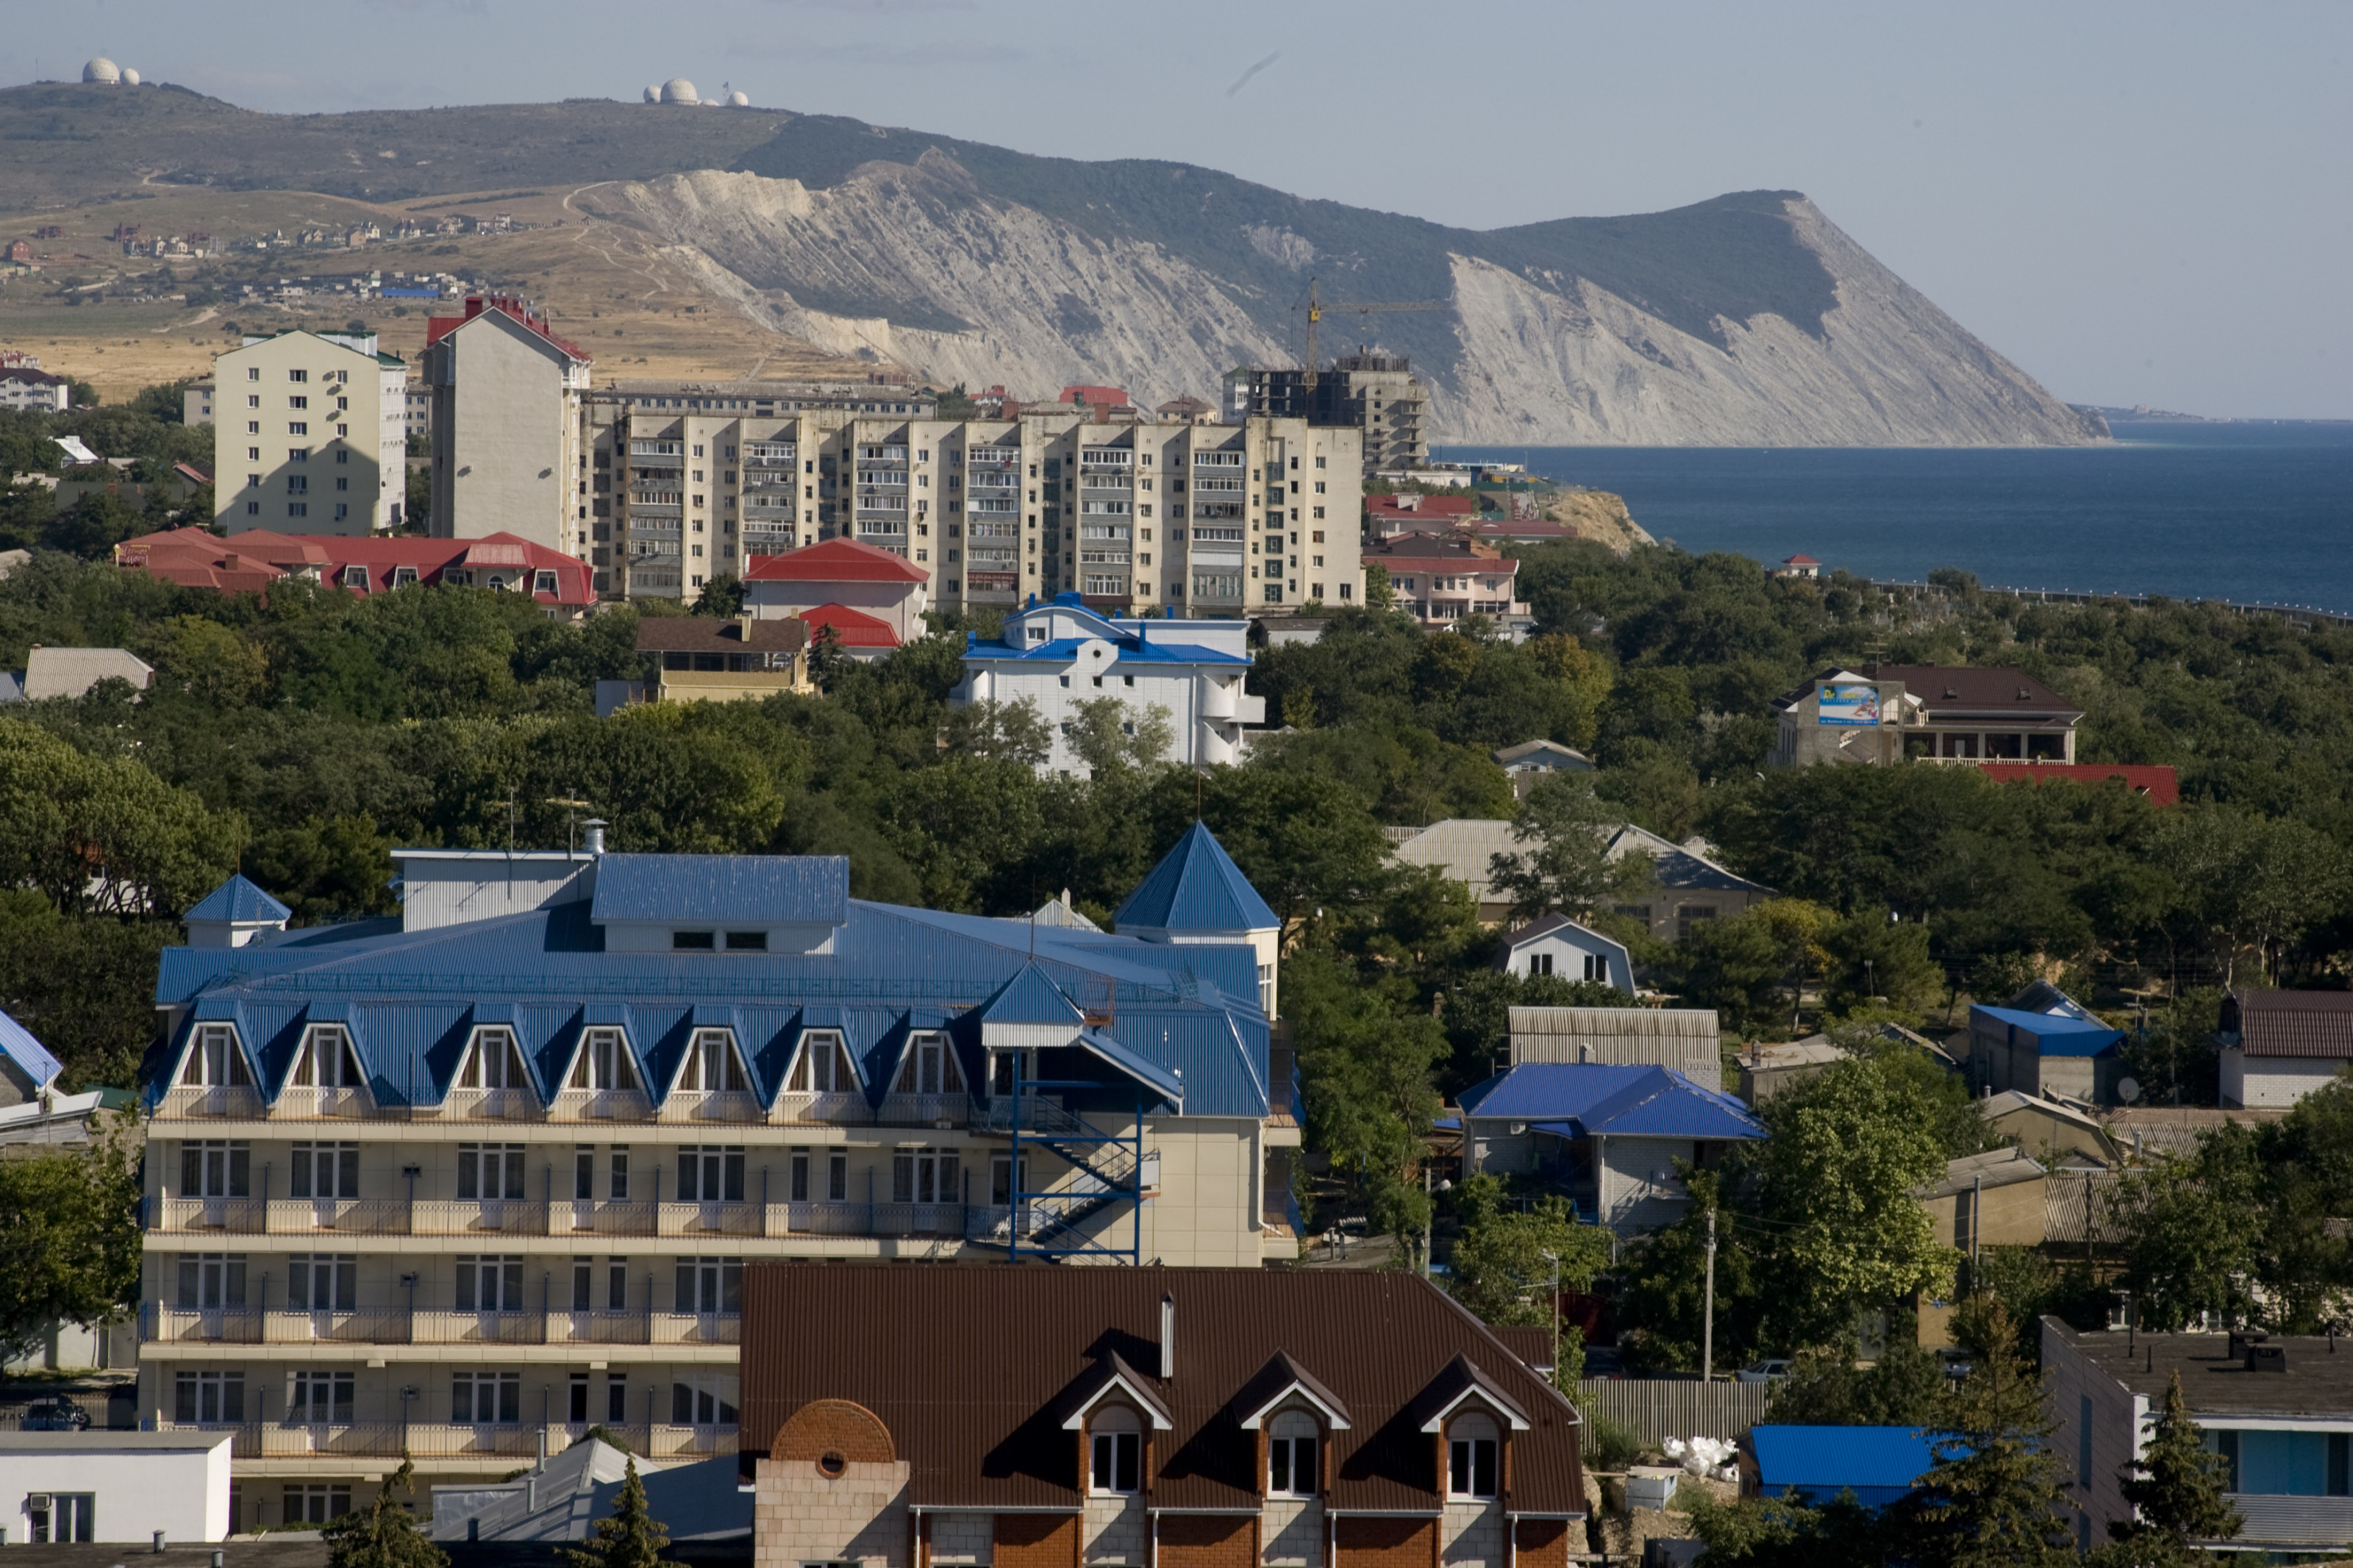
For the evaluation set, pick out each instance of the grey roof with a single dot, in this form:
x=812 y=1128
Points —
x=1679 y=868
x=2317 y=1382
x=1995 y=1168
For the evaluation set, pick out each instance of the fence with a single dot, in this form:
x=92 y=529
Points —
x=1656 y=1409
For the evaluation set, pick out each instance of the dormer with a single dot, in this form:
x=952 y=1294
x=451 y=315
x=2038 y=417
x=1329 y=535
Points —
x=1293 y=1415
x=493 y=1063
x=1113 y=1412
x=602 y=1062
x=232 y=914
x=711 y=1065
x=326 y=1059
x=1470 y=1420
x=719 y=907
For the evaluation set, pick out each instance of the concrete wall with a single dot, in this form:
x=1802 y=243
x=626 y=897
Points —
x=340 y=429
x=506 y=441
x=2072 y=1388
x=2013 y=1216
x=2273 y=1081
x=800 y=1515
x=140 y=1490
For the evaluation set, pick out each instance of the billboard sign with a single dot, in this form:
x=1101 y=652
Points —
x=1848 y=705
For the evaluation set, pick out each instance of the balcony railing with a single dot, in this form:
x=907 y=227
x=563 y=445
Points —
x=710 y=1105
x=352 y=1218
x=400 y=1326
x=439 y=1440
x=239 y=1103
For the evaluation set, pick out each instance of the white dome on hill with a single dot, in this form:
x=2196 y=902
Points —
x=739 y=101
x=678 y=90
x=102 y=69
x=653 y=95
x=130 y=76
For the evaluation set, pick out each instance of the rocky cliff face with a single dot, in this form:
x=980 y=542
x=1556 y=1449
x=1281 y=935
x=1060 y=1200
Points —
x=920 y=264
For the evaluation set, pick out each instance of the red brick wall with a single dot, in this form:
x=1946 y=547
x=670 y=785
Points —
x=840 y=1426
x=1542 y=1543
x=1037 y=1541
x=1207 y=1541
x=1385 y=1542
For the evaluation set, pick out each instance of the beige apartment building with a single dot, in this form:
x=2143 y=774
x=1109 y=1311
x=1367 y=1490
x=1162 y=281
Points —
x=505 y=424
x=308 y=435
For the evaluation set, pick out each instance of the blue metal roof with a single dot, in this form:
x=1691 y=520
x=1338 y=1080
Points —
x=238 y=900
x=1195 y=887
x=1130 y=650
x=1607 y=1099
x=17 y=1043
x=2055 y=1034
x=1878 y=1464
x=1030 y=998
x=742 y=890
x=411 y=1000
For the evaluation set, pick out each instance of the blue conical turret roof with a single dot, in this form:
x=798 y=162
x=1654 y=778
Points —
x=238 y=901
x=1197 y=887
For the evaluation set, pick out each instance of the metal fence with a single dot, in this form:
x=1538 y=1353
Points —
x=1656 y=1409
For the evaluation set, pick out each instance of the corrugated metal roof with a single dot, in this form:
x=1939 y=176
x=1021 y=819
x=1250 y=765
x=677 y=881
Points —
x=2296 y=1022
x=17 y=1044
x=1825 y=1459
x=742 y=890
x=2054 y=1034
x=1197 y=887
x=1601 y=1099
x=978 y=1358
x=238 y=900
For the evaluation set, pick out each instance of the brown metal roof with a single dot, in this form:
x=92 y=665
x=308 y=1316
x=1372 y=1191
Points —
x=707 y=634
x=968 y=1367
x=1951 y=691
x=2296 y=1022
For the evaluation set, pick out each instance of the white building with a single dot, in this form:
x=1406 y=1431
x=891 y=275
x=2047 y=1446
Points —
x=308 y=435
x=23 y=387
x=58 y=1486
x=196 y=403
x=1059 y=654
x=1559 y=946
x=2279 y=1046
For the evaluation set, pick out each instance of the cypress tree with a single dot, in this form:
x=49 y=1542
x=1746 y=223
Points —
x=384 y=1536
x=630 y=1537
x=1996 y=1496
x=2176 y=1490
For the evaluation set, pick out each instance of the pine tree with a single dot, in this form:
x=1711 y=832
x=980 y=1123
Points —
x=1994 y=1496
x=385 y=1536
x=2176 y=1490
x=631 y=1538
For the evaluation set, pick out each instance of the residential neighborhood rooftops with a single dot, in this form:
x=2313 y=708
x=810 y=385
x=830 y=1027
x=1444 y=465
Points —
x=1588 y=1099
x=851 y=628
x=238 y=901
x=2290 y=1022
x=1680 y=867
x=1994 y=1168
x=836 y=561
x=29 y=1056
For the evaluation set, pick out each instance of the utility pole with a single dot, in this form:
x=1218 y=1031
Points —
x=1707 y=1313
x=1555 y=1315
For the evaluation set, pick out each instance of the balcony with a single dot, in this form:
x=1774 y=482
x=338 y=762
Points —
x=345 y=1218
x=400 y=1326
x=2278 y=1519
x=303 y=1102
x=710 y=1105
x=239 y=1102
x=436 y=1440
x=600 y=1105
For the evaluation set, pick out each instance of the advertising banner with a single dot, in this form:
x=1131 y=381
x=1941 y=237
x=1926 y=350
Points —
x=1850 y=705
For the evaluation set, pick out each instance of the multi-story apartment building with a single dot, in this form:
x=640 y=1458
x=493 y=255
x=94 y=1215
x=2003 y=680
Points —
x=506 y=393
x=196 y=403
x=480 y=1179
x=1375 y=394
x=308 y=435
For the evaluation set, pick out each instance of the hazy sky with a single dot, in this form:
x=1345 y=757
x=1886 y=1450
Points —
x=2144 y=203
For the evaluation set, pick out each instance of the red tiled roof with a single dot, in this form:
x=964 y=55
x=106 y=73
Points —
x=851 y=628
x=835 y=560
x=2157 y=782
x=191 y=556
x=1800 y=561
x=1093 y=394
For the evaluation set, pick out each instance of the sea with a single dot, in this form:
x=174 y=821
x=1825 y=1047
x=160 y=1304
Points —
x=2253 y=511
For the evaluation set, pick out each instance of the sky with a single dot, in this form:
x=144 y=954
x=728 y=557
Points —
x=2141 y=204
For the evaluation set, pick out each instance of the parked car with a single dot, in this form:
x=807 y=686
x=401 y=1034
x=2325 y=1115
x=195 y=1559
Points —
x=1762 y=1372
x=55 y=1414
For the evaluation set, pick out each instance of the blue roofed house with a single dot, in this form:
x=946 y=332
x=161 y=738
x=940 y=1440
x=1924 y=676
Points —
x=1059 y=654
x=1608 y=1135
x=2045 y=1042
x=495 y=1166
x=1880 y=1465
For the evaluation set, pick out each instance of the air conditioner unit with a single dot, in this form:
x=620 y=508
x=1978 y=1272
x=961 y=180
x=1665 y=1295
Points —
x=36 y=1502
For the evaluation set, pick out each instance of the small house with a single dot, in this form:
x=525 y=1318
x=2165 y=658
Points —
x=2279 y=1046
x=1531 y=763
x=1559 y=946
x=2061 y=1048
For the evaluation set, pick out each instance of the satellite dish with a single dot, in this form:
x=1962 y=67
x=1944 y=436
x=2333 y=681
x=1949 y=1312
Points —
x=2128 y=1090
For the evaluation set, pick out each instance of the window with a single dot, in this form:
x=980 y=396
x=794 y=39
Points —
x=703 y=1404
x=253 y=372
x=1471 y=1457
x=1686 y=914
x=823 y=1065
x=709 y=1285
x=327 y=1057
x=1291 y=1456
x=798 y=1191
x=486 y=1398
x=214 y=1060
x=489 y=1284
x=317 y=1503
x=616 y=1398
x=924 y=1176
x=1005 y=1066
x=542 y=582
x=584 y=1290
x=1540 y=963
x=584 y=1174
x=298 y=509
x=488 y=1173
x=298 y=454
x=711 y=1174
x=711 y=1065
x=495 y=1062
x=323 y=1281
x=216 y=1170
x=209 y=1396
x=602 y=1062
x=616 y=1284
x=692 y=940
x=211 y=1280
x=62 y=1516
x=298 y=375
x=577 y=1409
x=929 y=1068
x=836 y=1178
x=298 y=403
x=321 y=1398
x=747 y=941
x=1596 y=967
x=620 y=1177
x=1118 y=1453
x=325 y=1171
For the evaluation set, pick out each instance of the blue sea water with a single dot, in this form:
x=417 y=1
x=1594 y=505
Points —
x=2258 y=512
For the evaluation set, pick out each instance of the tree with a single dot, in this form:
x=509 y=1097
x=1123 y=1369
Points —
x=1002 y=732
x=384 y=1534
x=1906 y=1386
x=1111 y=736
x=69 y=1236
x=1736 y=966
x=2175 y=1487
x=629 y=1538
x=1663 y=1285
x=2190 y=1230
x=827 y=659
x=1364 y=1068
x=1566 y=866
x=1996 y=1496
x=1504 y=1265
x=1778 y=1533
x=1867 y=956
x=2251 y=881
x=103 y=834
x=84 y=985
x=722 y=596
x=95 y=524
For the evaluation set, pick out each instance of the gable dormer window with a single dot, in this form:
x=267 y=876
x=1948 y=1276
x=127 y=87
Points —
x=214 y=1060
x=711 y=1064
x=823 y=1065
x=495 y=1061
x=327 y=1059
x=929 y=1068
x=1116 y=1439
x=602 y=1062
x=1293 y=1441
x=1471 y=1449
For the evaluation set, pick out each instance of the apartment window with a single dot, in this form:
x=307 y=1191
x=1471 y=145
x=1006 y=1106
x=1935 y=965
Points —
x=711 y=1174
x=489 y=1284
x=214 y=1060
x=298 y=376
x=543 y=582
x=584 y=1174
x=1291 y=1456
x=836 y=1178
x=253 y=372
x=253 y=428
x=321 y=1399
x=317 y=1503
x=702 y=1404
x=216 y=1169
x=709 y=1285
x=60 y=1517
x=325 y=1171
x=602 y=1062
x=298 y=509
x=711 y=1065
x=692 y=941
x=931 y=1067
x=1005 y=1066
x=327 y=1058
x=747 y=941
x=211 y=1280
x=323 y=1281
x=208 y=1396
x=253 y=455
x=620 y=1185
x=616 y=1398
x=616 y=1284
x=924 y=1176
x=486 y=1398
x=488 y=1173
x=823 y=1065
x=584 y=1290
x=1118 y=1444
x=1471 y=1457
x=298 y=403
x=494 y=1062
x=298 y=454
x=1002 y=1180
x=577 y=1409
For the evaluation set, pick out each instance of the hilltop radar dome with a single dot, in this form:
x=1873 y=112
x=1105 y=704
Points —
x=653 y=95
x=678 y=90
x=102 y=69
x=130 y=76
x=739 y=101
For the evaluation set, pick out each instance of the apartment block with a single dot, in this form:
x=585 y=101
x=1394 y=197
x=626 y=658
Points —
x=308 y=435
x=506 y=393
x=1375 y=394
x=478 y=1183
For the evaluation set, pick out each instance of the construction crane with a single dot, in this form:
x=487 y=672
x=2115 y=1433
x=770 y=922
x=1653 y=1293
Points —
x=1316 y=307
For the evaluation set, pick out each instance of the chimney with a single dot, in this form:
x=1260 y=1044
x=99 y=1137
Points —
x=592 y=836
x=1167 y=1337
